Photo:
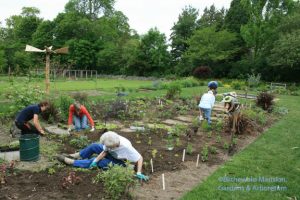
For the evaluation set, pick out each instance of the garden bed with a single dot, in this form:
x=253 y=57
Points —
x=211 y=144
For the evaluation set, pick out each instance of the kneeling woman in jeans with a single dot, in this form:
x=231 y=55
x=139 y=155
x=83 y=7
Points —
x=113 y=148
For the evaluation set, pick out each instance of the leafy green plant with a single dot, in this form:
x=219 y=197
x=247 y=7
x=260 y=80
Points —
x=178 y=142
x=234 y=141
x=218 y=139
x=219 y=125
x=189 y=148
x=281 y=110
x=178 y=130
x=253 y=80
x=204 y=153
x=170 y=142
x=213 y=150
x=209 y=134
x=117 y=181
x=154 y=152
x=173 y=91
x=80 y=142
x=64 y=104
x=237 y=85
x=149 y=141
x=226 y=145
x=51 y=171
x=23 y=96
x=205 y=126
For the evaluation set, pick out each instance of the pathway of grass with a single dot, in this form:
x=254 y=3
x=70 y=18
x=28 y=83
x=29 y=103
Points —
x=275 y=154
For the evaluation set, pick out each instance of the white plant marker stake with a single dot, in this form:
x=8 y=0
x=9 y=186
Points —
x=163 y=181
x=197 y=163
x=183 y=155
x=151 y=162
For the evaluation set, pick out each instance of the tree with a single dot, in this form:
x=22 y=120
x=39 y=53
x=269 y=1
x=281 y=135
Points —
x=3 y=61
x=236 y=16
x=44 y=34
x=82 y=54
x=26 y=25
x=91 y=8
x=209 y=47
x=182 y=31
x=153 y=57
x=212 y=17
x=264 y=18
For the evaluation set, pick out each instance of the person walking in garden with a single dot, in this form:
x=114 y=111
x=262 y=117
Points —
x=207 y=102
x=29 y=113
x=113 y=149
x=79 y=116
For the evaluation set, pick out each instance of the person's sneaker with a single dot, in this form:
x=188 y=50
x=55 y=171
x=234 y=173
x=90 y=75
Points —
x=67 y=155
x=60 y=158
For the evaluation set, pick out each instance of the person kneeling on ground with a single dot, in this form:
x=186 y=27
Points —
x=207 y=102
x=29 y=113
x=113 y=148
x=78 y=115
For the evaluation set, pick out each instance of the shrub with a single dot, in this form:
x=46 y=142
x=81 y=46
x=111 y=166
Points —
x=173 y=91
x=51 y=114
x=265 y=101
x=24 y=96
x=202 y=72
x=117 y=181
x=253 y=80
x=237 y=85
x=63 y=105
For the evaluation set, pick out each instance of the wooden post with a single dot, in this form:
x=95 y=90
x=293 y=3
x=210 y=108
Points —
x=163 y=181
x=47 y=71
x=151 y=162
x=197 y=163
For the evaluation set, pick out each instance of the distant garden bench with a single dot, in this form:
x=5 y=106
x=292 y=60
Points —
x=277 y=85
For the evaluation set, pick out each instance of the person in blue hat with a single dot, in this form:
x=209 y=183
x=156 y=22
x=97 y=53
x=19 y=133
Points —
x=207 y=102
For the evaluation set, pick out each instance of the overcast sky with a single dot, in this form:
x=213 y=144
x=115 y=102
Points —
x=142 y=14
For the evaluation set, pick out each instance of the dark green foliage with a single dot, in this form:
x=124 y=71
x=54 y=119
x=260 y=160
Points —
x=182 y=31
x=260 y=37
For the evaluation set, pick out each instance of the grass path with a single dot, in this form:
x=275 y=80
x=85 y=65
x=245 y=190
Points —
x=276 y=153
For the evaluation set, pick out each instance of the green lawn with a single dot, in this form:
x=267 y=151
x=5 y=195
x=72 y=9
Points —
x=77 y=85
x=276 y=153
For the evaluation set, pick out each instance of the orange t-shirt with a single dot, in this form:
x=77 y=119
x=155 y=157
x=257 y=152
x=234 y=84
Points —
x=83 y=111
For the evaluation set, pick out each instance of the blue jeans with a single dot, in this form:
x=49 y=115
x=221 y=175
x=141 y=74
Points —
x=80 y=122
x=95 y=148
x=207 y=113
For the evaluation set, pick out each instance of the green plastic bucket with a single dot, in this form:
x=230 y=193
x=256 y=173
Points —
x=29 y=147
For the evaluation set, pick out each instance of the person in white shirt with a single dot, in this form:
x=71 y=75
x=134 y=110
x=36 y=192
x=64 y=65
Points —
x=113 y=148
x=206 y=104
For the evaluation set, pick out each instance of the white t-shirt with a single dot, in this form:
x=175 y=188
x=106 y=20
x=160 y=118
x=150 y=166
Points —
x=207 y=100
x=125 y=151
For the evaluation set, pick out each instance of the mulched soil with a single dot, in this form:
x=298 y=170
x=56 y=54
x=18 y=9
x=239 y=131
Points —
x=28 y=185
